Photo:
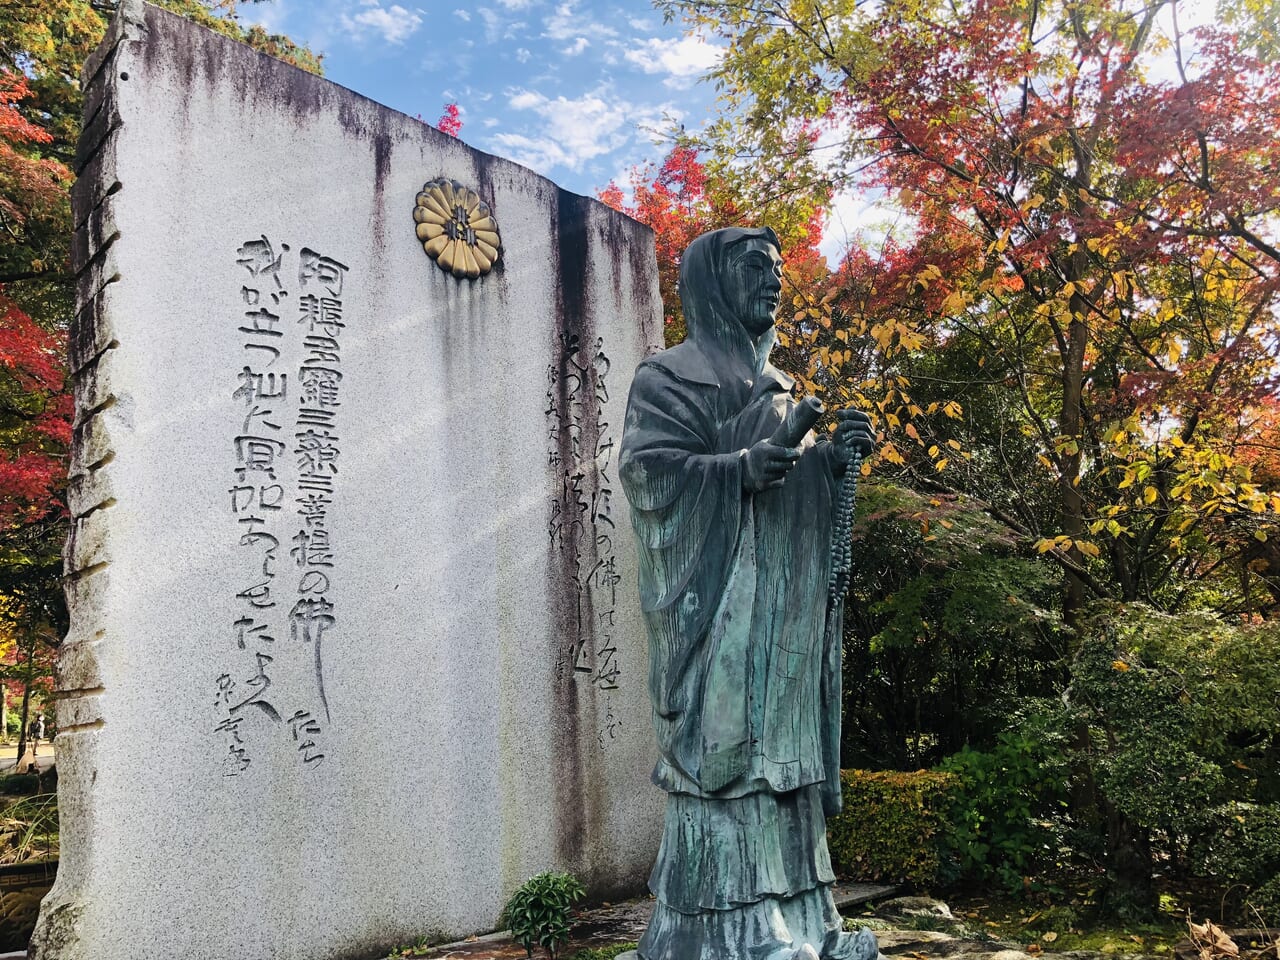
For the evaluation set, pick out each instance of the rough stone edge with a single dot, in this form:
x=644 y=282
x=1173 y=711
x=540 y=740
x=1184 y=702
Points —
x=86 y=555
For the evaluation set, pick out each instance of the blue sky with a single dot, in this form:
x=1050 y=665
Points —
x=575 y=89
x=579 y=90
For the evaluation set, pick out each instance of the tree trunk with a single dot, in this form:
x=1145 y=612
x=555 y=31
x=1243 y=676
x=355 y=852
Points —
x=1130 y=894
x=1072 y=425
x=22 y=730
x=26 y=709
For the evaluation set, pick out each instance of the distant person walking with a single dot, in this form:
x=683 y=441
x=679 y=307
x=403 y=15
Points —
x=35 y=732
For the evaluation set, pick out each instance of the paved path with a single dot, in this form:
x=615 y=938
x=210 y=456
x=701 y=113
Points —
x=9 y=761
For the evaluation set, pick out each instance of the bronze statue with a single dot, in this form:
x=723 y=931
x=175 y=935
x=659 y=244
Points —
x=734 y=522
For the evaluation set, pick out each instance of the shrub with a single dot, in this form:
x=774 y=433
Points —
x=1000 y=825
x=1240 y=844
x=19 y=783
x=538 y=912
x=1266 y=900
x=1180 y=719
x=894 y=825
x=949 y=629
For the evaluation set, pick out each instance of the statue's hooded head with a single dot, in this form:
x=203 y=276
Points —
x=729 y=288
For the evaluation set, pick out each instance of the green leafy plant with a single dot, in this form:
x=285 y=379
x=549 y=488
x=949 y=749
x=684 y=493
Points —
x=1000 y=823
x=539 y=911
x=1181 y=747
x=1240 y=843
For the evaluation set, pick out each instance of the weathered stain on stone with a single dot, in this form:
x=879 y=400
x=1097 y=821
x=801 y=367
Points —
x=96 y=132
x=57 y=932
x=96 y=91
x=96 y=165
x=96 y=182
x=381 y=160
x=381 y=170
x=644 y=263
x=91 y=334
x=571 y=257
x=612 y=235
x=485 y=164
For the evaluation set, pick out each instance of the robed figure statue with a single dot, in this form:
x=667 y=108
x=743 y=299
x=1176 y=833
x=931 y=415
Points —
x=734 y=534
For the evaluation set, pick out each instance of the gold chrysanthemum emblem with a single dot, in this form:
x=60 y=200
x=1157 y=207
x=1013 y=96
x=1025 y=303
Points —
x=456 y=228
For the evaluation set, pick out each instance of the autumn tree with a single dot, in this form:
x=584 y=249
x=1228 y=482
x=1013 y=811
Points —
x=1101 y=241
x=35 y=409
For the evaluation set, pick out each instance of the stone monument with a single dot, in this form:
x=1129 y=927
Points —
x=354 y=649
x=736 y=505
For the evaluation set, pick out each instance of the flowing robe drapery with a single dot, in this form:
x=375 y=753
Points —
x=732 y=585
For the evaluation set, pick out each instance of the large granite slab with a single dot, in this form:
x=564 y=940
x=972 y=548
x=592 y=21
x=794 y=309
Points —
x=355 y=646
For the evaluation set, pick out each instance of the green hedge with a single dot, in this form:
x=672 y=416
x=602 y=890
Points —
x=893 y=827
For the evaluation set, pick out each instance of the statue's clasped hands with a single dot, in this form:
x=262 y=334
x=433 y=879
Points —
x=853 y=433
x=767 y=464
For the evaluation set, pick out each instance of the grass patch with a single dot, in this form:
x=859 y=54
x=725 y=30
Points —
x=29 y=829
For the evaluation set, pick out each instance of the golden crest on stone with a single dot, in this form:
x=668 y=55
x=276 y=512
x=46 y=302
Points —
x=457 y=229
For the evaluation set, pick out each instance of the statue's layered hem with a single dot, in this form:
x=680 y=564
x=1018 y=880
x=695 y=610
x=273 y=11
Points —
x=723 y=854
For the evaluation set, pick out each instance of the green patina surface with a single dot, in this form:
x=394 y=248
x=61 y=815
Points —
x=736 y=559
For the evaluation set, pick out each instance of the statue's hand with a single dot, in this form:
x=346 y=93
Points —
x=853 y=432
x=766 y=465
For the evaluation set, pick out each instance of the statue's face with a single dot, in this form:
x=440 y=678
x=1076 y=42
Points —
x=753 y=284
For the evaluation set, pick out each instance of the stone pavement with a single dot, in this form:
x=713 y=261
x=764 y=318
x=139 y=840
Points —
x=602 y=926
x=613 y=923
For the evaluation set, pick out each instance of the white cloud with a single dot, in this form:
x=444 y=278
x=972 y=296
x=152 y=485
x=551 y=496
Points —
x=567 y=23
x=523 y=55
x=517 y=4
x=526 y=100
x=462 y=15
x=395 y=23
x=683 y=59
x=271 y=17
x=575 y=48
x=497 y=26
x=570 y=132
x=866 y=217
